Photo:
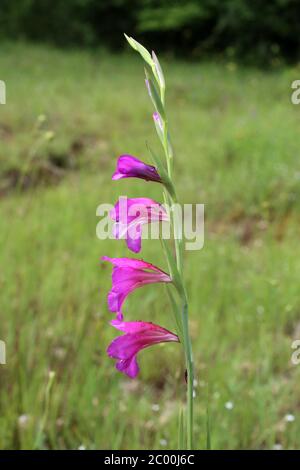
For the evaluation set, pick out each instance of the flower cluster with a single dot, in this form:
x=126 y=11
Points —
x=130 y=273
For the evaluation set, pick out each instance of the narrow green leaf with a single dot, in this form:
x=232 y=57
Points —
x=141 y=49
x=181 y=433
x=158 y=163
x=162 y=172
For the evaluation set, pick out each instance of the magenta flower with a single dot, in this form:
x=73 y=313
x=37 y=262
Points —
x=130 y=274
x=130 y=167
x=130 y=214
x=138 y=335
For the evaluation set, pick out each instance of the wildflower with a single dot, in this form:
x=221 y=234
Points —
x=128 y=275
x=229 y=405
x=23 y=420
x=130 y=214
x=131 y=167
x=155 y=407
x=138 y=335
x=289 y=418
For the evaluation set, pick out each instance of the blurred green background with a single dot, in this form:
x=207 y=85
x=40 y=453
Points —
x=252 y=30
x=70 y=112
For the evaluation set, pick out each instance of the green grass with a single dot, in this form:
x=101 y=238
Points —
x=237 y=144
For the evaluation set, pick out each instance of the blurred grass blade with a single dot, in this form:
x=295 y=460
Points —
x=181 y=431
x=40 y=438
x=208 y=430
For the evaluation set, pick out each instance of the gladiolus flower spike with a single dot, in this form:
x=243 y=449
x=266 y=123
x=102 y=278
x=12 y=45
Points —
x=130 y=274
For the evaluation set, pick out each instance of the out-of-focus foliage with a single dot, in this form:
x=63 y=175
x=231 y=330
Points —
x=254 y=30
x=68 y=22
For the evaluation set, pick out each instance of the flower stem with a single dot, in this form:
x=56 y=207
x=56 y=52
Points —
x=187 y=344
x=157 y=95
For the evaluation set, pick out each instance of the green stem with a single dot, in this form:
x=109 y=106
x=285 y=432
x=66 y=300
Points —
x=180 y=319
x=40 y=435
x=186 y=343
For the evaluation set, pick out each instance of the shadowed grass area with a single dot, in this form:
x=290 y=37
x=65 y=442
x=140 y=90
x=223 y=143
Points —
x=237 y=151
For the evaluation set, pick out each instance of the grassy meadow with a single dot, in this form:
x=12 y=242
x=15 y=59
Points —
x=236 y=134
